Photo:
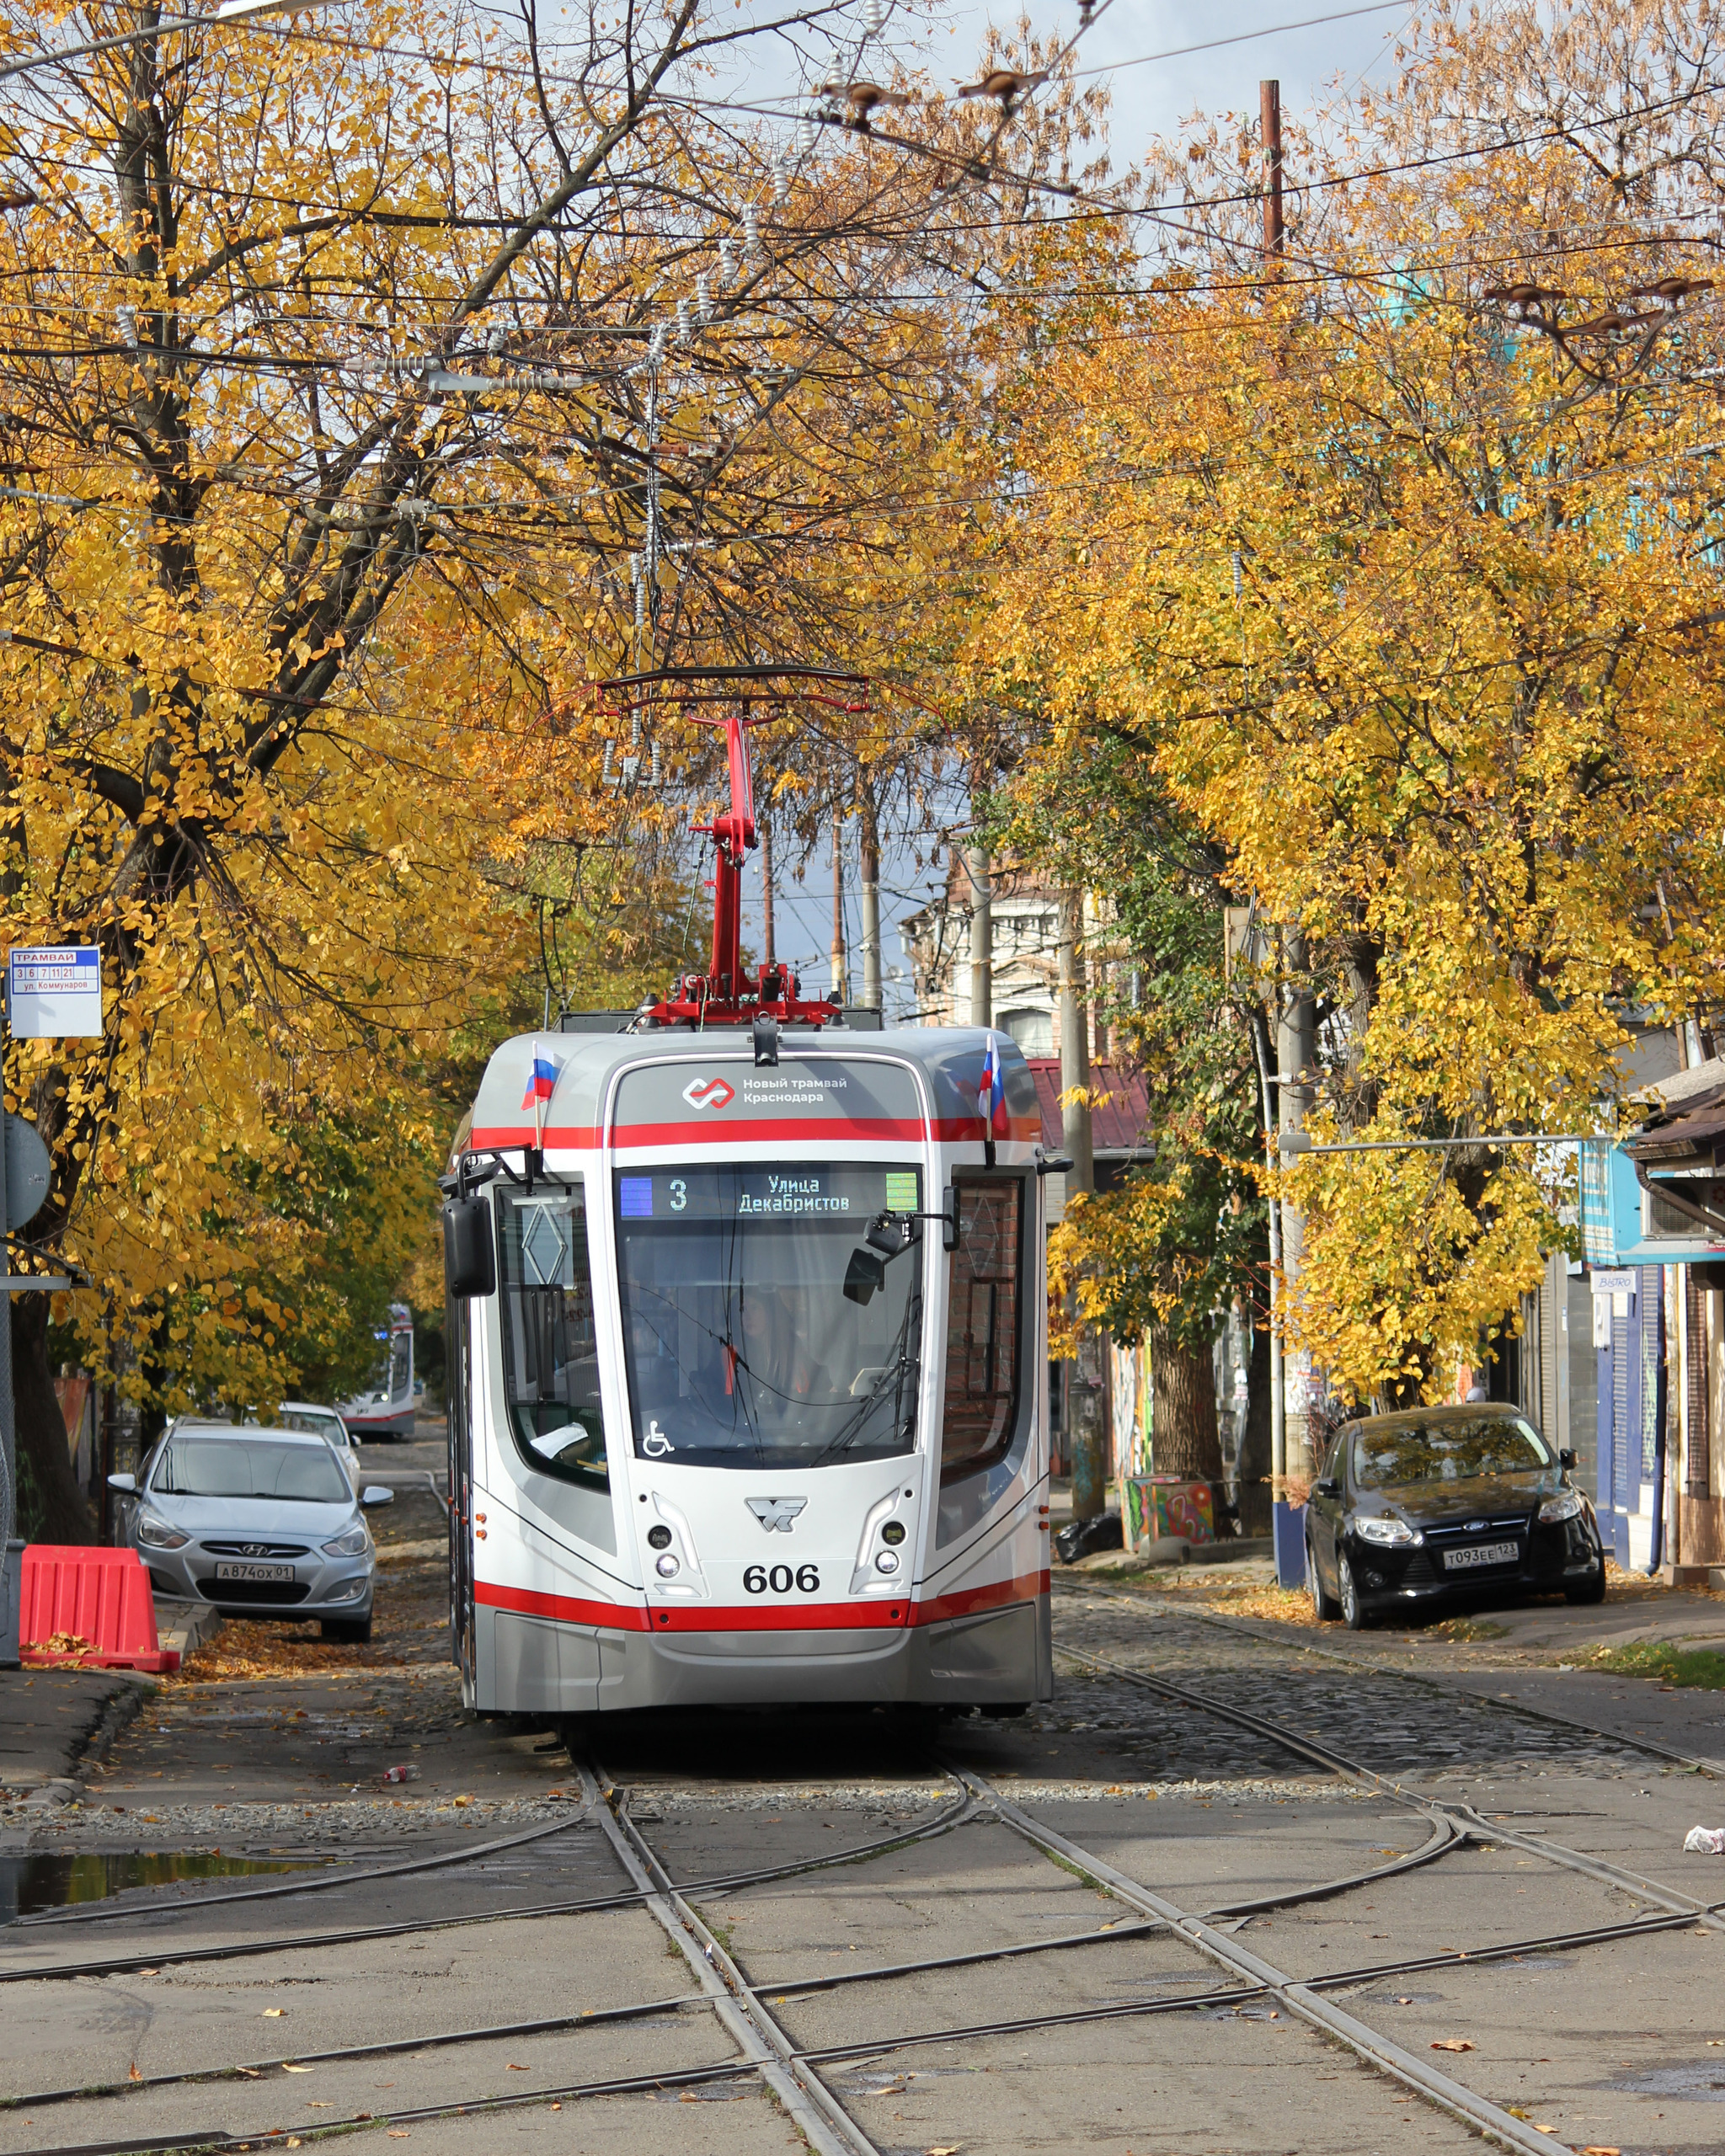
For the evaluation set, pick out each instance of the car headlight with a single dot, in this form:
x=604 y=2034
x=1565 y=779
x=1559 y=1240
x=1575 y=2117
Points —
x=154 y=1532
x=353 y=1543
x=1376 y=1527
x=1566 y=1505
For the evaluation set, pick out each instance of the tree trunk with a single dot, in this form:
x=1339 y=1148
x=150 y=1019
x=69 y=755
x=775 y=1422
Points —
x=1255 y=1513
x=61 y=1514
x=1184 y=1428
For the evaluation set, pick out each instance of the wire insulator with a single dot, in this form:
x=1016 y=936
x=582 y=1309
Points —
x=686 y=321
x=703 y=298
x=808 y=133
x=874 y=17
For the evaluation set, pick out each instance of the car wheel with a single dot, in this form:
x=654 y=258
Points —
x=1323 y=1606
x=346 y=1632
x=1353 y=1614
x=1592 y=1590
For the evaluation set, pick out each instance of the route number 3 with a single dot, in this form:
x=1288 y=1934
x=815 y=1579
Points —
x=806 y=1579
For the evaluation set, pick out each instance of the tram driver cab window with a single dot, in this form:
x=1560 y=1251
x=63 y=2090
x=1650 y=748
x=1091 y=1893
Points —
x=550 y=1367
x=984 y=1327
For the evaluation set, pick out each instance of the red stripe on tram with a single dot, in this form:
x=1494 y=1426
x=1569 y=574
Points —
x=761 y=1616
x=800 y=1130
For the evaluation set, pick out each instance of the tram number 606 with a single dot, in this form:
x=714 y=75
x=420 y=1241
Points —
x=806 y=1579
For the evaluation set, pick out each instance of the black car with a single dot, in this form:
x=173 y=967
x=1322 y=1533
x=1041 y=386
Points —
x=1438 y=1503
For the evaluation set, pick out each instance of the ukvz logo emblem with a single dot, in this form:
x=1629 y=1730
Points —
x=777 y=1515
x=709 y=1093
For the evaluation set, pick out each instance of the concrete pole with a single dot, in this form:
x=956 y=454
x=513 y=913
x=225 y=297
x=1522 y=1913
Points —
x=870 y=851
x=841 y=989
x=1075 y=1047
x=1295 y=1051
x=768 y=957
x=977 y=867
x=1085 y=1434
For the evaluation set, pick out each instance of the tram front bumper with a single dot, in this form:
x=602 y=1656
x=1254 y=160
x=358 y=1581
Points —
x=526 y=1664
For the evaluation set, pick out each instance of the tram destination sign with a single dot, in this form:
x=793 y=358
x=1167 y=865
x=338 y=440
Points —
x=848 y=1192
x=54 y=992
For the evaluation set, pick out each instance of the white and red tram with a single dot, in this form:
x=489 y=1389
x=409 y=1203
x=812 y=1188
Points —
x=747 y=1358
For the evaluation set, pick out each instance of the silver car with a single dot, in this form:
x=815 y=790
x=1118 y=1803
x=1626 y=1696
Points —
x=262 y=1523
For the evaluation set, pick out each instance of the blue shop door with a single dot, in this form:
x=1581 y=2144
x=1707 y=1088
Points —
x=1620 y=1422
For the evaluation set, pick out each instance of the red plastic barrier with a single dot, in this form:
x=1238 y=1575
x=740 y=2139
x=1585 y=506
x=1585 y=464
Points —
x=89 y=1608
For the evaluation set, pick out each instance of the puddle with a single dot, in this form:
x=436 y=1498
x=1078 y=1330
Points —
x=1706 y=2083
x=50 y=1880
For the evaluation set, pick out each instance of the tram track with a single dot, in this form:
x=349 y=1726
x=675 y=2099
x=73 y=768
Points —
x=767 y=2054
x=161 y=1957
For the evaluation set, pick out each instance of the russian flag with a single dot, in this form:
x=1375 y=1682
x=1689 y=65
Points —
x=543 y=1082
x=992 y=1092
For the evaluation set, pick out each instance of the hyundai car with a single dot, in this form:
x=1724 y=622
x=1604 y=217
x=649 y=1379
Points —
x=262 y=1523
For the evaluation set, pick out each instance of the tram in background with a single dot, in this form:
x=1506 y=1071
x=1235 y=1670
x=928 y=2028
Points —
x=747 y=1369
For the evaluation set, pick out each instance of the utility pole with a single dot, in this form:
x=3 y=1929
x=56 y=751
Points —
x=977 y=868
x=841 y=990
x=767 y=955
x=1295 y=1051
x=1085 y=1435
x=1269 y=113
x=869 y=850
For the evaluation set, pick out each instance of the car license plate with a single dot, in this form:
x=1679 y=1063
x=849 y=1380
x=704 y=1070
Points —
x=1481 y=1553
x=266 y=1575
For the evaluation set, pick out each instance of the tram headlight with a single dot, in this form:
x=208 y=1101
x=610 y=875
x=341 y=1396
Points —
x=893 y=1532
x=887 y=1561
x=658 y=1538
x=667 y=1568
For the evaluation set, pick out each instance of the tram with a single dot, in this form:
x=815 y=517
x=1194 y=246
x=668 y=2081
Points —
x=747 y=1356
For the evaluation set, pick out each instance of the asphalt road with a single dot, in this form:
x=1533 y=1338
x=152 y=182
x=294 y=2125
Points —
x=1108 y=1818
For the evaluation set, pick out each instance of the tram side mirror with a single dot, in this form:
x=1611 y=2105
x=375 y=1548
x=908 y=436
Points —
x=469 y=1256
x=949 y=1219
x=863 y=1276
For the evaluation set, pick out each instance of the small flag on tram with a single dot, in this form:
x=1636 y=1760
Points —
x=992 y=1091
x=543 y=1082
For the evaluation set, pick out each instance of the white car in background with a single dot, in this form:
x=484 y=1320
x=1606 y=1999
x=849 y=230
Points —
x=325 y=1422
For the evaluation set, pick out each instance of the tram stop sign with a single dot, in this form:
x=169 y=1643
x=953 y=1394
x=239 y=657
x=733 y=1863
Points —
x=54 y=992
x=28 y=1170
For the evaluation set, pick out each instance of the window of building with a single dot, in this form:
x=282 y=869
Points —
x=1032 y=1030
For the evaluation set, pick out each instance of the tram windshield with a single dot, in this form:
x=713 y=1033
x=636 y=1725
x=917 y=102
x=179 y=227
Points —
x=744 y=1347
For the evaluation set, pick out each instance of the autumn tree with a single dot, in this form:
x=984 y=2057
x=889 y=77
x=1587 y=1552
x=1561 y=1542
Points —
x=372 y=391
x=1397 y=560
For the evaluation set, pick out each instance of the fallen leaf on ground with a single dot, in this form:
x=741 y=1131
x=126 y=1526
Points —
x=1598 y=2151
x=1451 y=2044
x=274 y=2013
x=297 y=2069
x=132 y=2074
x=1403 y=1999
x=513 y=2068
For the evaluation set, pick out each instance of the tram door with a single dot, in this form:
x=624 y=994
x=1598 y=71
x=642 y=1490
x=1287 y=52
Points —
x=460 y=1336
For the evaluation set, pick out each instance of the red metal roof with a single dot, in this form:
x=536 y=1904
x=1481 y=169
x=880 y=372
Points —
x=1120 y=1124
